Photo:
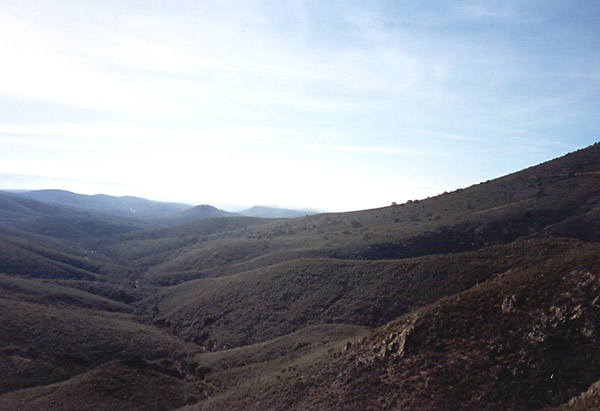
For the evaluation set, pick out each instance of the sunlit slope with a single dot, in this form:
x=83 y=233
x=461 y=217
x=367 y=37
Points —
x=258 y=282
x=537 y=201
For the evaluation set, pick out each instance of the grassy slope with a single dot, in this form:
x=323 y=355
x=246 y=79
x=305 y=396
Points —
x=278 y=272
x=526 y=340
x=230 y=375
x=29 y=219
x=261 y=304
x=64 y=313
x=71 y=340
x=118 y=385
x=78 y=269
x=42 y=292
x=67 y=337
x=63 y=348
x=23 y=257
x=496 y=212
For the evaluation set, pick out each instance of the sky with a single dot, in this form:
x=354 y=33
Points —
x=329 y=105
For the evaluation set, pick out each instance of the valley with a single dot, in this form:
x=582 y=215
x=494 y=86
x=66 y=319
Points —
x=487 y=297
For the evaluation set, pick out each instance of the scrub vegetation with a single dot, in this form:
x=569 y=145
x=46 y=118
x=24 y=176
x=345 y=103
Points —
x=484 y=298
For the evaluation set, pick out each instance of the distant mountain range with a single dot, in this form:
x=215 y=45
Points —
x=126 y=206
x=80 y=217
x=143 y=209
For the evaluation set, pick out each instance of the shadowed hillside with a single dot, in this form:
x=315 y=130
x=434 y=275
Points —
x=526 y=340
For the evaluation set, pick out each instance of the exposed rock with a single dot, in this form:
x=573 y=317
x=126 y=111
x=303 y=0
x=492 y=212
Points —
x=397 y=343
x=508 y=304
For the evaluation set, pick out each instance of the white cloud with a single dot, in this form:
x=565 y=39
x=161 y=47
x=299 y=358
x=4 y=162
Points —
x=282 y=99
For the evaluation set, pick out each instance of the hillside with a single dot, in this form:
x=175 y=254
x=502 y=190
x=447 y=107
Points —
x=199 y=212
x=75 y=219
x=36 y=220
x=483 y=298
x=126 y=206
x=525 y=340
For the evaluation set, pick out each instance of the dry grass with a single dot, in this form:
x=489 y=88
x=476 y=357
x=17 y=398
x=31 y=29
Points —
x=485 y=298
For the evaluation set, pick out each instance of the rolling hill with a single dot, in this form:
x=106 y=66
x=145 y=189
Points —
x=483 y=298
x=126 y=206
x=33 y=219
x=77 y=218
x=199 y=212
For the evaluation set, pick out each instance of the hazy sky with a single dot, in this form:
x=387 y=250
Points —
x=336 y=105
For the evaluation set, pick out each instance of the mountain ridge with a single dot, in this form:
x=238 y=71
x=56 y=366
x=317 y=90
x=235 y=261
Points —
x=122 y=206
